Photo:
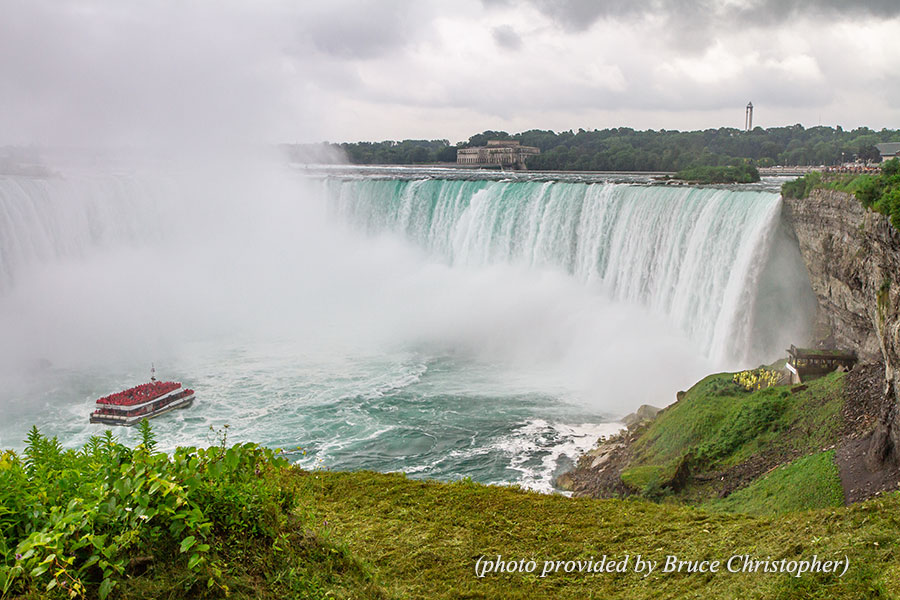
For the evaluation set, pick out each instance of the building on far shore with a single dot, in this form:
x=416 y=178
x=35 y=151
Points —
x=502 y=153
x=888 y=150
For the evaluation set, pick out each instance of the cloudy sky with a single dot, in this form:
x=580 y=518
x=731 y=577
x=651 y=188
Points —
x=128 y=72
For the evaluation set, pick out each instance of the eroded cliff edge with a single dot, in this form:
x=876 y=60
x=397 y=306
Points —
x=853 y=259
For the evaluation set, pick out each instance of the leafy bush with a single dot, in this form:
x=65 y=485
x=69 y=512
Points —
x=889 y=203
x=78 y=520
x=801 y=187
x=882 y=193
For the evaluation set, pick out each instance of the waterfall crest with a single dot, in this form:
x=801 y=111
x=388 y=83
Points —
x=695 y=255
x=714 y=262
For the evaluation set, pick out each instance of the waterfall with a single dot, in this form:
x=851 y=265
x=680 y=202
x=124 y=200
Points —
x=45 y=219
x=713 y=262
x=695 y=255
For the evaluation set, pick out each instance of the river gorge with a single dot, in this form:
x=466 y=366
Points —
x=440 y=323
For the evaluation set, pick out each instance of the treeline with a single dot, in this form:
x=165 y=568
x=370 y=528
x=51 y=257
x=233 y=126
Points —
x=625 y=149
x=407 y=152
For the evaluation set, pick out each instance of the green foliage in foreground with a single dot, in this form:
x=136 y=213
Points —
x=880 y=193
x=809 y=482
x=82 y=523
x=726 y=174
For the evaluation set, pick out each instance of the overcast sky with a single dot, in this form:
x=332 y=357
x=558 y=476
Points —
x=128 y=72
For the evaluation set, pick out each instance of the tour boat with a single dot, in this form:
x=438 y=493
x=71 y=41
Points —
x=145 y=401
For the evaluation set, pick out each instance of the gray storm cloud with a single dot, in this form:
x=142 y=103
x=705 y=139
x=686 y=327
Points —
x=507 y=37
x=580 y=15
x=362 y=30
x=219 y=74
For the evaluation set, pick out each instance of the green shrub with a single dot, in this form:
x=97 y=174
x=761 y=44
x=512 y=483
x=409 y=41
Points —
x=801 y=187
x=889 y=204
x=75 y=519
x=867 y=192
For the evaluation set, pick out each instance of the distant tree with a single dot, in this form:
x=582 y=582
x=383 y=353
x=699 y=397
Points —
x=447 y=154
x=419 y=154
x=481 y=139
x=868 y=154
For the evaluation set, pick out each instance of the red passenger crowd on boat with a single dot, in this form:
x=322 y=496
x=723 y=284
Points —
x=140 y=393
x=145 y=410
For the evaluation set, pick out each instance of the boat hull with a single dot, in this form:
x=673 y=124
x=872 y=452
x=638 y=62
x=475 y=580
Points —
x=131 y=420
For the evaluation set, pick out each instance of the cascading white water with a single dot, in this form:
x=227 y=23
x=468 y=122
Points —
x=46 y=219
x=695 y=255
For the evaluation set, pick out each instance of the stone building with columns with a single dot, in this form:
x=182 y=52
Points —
x=503 y=153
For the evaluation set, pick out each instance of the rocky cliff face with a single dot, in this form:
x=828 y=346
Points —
x=853 y=259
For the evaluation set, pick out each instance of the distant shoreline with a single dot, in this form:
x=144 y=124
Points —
x=764 y=171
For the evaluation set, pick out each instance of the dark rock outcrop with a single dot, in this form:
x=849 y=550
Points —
x=853 y=259
x=643 y=414
x=597 y=473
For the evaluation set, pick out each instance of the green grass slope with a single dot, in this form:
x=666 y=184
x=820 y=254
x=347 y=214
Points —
x=718 y=426
x=809 y=482
x=423 y=540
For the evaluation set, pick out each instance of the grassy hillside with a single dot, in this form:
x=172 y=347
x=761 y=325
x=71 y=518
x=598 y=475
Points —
x=423 y=540
x=809 y=482
x=719 y=433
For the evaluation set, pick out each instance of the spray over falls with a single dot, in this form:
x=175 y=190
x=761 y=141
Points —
x=698 y=256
